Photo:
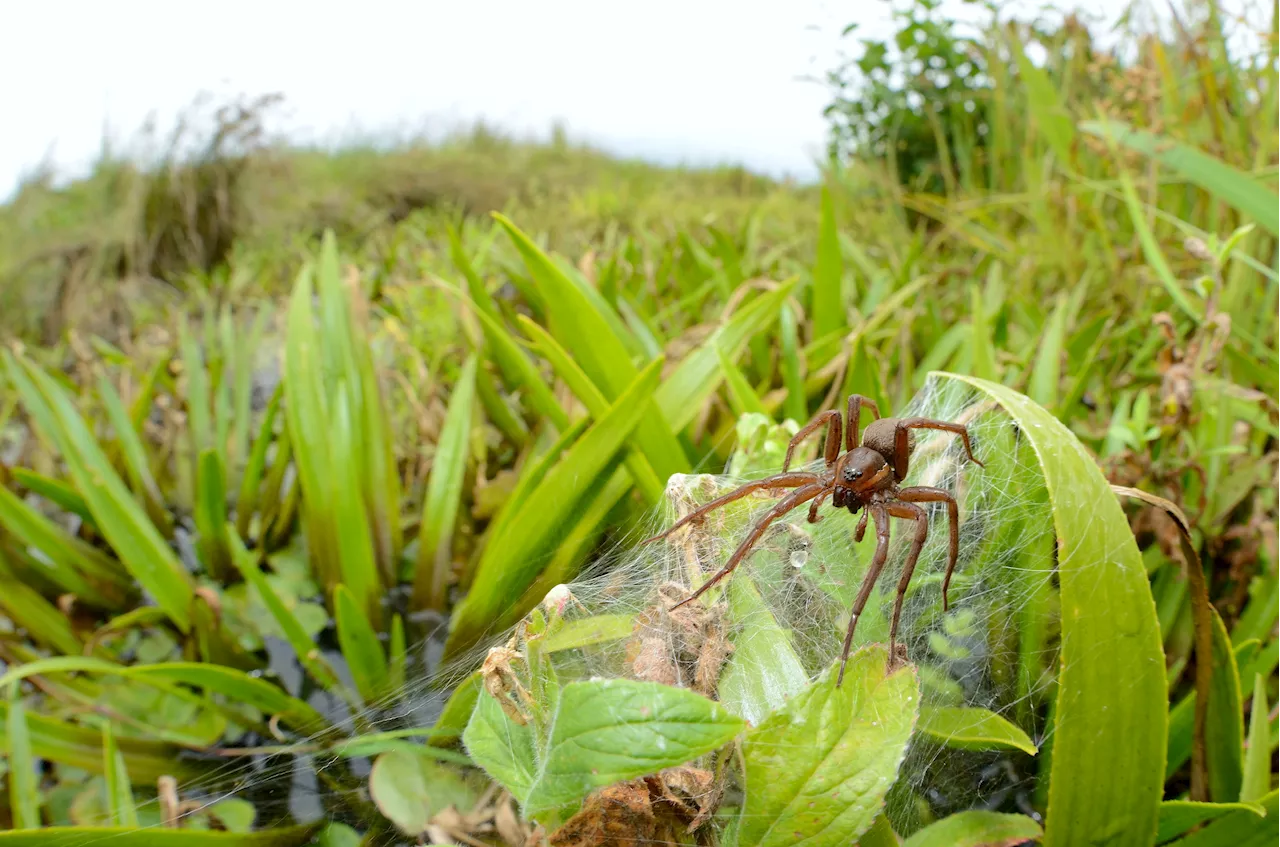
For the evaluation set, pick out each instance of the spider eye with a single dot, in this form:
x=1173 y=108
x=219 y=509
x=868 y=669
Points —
x=857 y=474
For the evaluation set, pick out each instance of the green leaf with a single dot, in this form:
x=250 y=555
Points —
x=742 y=397
x=119 y=796
x=28 y=609
x=510 y=562
x=828 y=272
x=120 y=518
x=132 y=450
x=796 y=405
x=1047 y=371
x=764 y=670
x=1257 y=757
x=638 y=464
x=1180 y=816
x=977 y=829
x=1242 y=828
x=80 y=836
x=610 y=730
x=1232 y=186
x=410 y=787
x=1107 y=768
x=211 y=515
x=683 y=393
x=584 y=632
x=501 y=746
x=585 y=324
x=1044 y=104
x=24 y=796
x=81 y=747
x=971 y=728
x=1224 y=721
x=294 y=631
x=444 y=493
x=359 y=643
x=818 y=769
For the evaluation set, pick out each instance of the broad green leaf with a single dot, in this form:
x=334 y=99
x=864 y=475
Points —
x=24 y=797
x=120 y=518
x=360 y=647
x=1107 y=767
x=817 y=770
x=119 y=796
x=520 y=370
x=1182 y=714
x=764 y=670
x=504 y=748
x=1257 y=757
x=1232 y=186
x=1242 y=828
x=409 y=788
x=82 y=836
x=610 y=730
x=510 y=562
x=971 y=728
x=444 y=493
x=828 y=272
x=1179 y=816
x=977 y=829
x=247 y=500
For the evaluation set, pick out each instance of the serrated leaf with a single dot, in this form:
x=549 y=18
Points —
x=501 y=746
x=610 y=730
x=818 y=769
x=971 y=728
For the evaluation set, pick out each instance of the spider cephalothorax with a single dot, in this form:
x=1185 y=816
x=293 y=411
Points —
x=865 y=476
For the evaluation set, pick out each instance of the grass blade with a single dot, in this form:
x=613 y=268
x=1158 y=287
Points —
x=444 y=494
x=120 y=803
x=24 y=798
x=360 y=647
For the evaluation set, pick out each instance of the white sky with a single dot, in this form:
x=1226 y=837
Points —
x=688 y=80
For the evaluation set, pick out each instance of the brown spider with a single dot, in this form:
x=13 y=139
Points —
x=866 y=475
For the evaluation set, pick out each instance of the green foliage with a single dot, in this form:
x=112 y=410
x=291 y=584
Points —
x=1092 y=227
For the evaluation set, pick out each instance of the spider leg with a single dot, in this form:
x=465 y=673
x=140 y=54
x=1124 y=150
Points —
x=831 y=418
x=923 y=494
x=814 y=517
x=912 y=512
x=856 y=404
x=868 y=582
x=785 y=505
x=861 y=529
x=902 y=444
x=784 y=480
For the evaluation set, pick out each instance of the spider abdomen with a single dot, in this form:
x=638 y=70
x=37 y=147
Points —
x=879 y=436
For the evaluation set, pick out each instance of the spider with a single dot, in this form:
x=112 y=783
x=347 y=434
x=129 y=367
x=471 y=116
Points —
x=865 y=475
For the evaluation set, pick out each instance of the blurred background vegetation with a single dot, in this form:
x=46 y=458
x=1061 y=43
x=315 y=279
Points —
x=220 y=429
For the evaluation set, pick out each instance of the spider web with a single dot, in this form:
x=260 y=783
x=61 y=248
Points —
x=994 y=649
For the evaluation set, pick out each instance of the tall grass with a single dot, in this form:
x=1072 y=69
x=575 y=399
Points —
x=328 y=440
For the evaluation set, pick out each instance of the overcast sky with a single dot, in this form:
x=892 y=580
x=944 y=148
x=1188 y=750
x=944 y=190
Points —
x=692 y=80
